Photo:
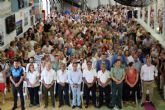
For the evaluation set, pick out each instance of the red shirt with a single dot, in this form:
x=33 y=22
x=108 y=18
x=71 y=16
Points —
x=131 y=75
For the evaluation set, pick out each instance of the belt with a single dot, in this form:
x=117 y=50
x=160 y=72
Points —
x=149 y=81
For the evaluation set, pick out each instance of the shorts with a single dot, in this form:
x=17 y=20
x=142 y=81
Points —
x=2 y=87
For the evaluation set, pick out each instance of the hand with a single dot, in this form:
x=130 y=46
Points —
x=17 y=85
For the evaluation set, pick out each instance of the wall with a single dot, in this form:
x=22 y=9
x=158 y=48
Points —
x=94 y=3
x=18 y=16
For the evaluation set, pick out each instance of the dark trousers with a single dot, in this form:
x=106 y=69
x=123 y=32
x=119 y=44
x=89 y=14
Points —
x=34 y=96
x=15 y=91
x=106 y=92
x=129 y=92
x=63 y=91
x=116 y=94
x=51 y=90
x=87 y=93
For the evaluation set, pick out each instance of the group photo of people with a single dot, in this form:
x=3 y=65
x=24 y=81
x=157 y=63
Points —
x=100 y=57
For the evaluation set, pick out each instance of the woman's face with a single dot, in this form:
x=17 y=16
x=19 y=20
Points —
x=31 y=67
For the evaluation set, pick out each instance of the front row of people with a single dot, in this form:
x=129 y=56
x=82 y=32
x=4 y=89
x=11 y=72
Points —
x=73 y=78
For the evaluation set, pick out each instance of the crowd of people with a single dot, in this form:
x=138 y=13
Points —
x=102 y=53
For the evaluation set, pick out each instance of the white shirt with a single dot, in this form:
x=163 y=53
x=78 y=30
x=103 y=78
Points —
x=48 y=76
x=32 y=78
x=89 y=75
x=47 y=49
x=31 y=53
x=148 y=72
x=103 y=76
x=62 y=76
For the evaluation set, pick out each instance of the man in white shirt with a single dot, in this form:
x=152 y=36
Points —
x=63 y=87
x=103 y=78
x=89 y=78
x=48 y=77
x=75 y=79
x=148 y=74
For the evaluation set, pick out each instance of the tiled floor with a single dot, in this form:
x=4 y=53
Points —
x=160 y=105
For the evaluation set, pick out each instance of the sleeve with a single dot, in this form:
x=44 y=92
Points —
x=80 y=80
x=58 y=77
x=27 y=67
x=95 y=73
x=111 y=72
x=156 y=71
x=22 y=71
x=141 y=73
x=69 y=78
x=98 y=75
x=55 y=75
x=83 y=73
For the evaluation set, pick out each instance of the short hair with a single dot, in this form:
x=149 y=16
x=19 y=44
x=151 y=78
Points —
x=117 y=60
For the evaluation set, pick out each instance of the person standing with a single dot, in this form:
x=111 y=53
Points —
x=89 y=78
x=48 y=77
x=63 y=86
x=103 y=79
x=17 y=77
x=148 y=74
x=118 y=75
x=131 y=83
x=2 y=83
x=32 y=78
x=75 y=79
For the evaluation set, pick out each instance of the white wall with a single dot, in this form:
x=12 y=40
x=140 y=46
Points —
x=18 y=16
x=94 y=3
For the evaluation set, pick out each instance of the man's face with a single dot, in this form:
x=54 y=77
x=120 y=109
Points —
x=74 y=67
x=16 y=64
x=48 y=67
x=62 y=66
x=89 y=64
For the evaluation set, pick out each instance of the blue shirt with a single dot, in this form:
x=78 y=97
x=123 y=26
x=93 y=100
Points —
x=75 y=77
x=16 y=72
x=123 y=59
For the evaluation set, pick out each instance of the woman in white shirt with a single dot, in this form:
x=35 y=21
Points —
x=32 y=79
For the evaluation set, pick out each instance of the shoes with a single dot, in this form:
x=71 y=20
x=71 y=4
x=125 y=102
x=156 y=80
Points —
x=80 y=107
x=53 y=106
x=86 y=106
x=14 y=108
x=142 y=104
x=120 y=107
x=59 y=105
x=73 y=107
x=68 y=104
x=45 y=106
x=30 y=105
x=152 y=104
x=37 y=105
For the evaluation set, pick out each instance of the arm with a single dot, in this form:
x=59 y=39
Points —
x=80 y=80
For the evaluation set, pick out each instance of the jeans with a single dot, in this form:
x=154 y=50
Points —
x=19 y=90
x=76 y=95
x=116 y=94
x=34 y=96
x=51 y=89
x=64 y=89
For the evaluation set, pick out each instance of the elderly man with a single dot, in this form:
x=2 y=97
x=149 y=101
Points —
x=89 y=78
x=148 y=74
x=75 y=79
x=48 y=77
x=103 y=79
x=63 y=86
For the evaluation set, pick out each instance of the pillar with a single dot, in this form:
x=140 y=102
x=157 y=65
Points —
x=164 y=21
x=155 y=14
x=149 y=12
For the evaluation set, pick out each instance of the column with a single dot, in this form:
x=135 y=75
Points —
x=164 y=21
x=149 y=12
x=155 y=14
x=143 y=14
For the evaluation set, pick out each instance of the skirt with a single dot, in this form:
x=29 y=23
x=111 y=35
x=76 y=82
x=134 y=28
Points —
x=2 y=86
